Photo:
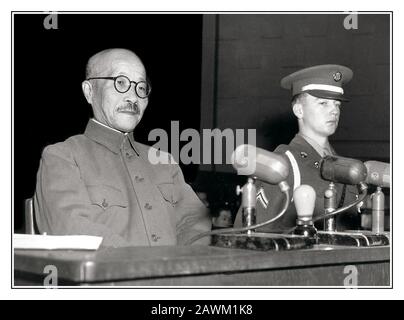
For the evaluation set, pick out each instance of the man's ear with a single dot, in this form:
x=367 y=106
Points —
x=298 y=110
x=87 y=90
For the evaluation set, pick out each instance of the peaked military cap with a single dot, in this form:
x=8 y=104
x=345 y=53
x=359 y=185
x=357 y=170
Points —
x=323 y=81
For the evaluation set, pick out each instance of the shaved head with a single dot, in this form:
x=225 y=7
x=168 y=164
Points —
x=101 y=62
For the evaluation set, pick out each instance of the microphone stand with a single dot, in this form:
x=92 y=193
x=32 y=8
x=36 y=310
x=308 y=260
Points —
x=248 y=202
x=378 y=211
x=363 y=191
x=355 y=238
x=330 y=205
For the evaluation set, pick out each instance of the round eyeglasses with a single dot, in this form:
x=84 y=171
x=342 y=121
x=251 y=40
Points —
x=122 y=84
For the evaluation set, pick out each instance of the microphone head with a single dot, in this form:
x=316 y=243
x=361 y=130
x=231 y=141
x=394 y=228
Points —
x=378 y=173
x=304 y=197
x=343 y=170
x=259 y=163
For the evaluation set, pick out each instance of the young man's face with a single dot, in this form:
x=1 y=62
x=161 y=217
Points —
x=318 y=116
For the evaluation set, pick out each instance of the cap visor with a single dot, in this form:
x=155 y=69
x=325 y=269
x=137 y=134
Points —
x=327 y=95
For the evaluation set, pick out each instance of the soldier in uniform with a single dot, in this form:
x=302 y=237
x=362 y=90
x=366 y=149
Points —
x=102 y=182
x=317 y=95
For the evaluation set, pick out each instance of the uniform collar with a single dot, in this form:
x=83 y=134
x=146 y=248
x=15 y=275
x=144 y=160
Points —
x=113 y=139
x=328 y=150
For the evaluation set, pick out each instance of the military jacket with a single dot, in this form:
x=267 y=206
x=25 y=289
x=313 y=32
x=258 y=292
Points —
x=102 y=183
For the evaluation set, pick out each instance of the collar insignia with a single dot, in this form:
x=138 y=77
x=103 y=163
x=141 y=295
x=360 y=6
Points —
x=261 y=197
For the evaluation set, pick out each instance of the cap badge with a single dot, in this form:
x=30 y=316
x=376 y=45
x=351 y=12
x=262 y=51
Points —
x=337 y=76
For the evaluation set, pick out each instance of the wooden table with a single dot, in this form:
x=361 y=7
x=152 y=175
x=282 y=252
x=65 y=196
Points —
x=206 y=266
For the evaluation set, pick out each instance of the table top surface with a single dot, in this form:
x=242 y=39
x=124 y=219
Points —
x=111 y=264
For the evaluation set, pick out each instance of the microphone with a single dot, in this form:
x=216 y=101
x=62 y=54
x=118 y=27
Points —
x=343 y=170
x=259 y=163
x=305 y=200
x=378 y=173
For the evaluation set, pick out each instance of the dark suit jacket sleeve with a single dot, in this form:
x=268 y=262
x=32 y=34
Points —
x=62 y=203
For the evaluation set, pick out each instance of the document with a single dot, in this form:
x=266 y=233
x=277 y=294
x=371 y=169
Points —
x=38 y=242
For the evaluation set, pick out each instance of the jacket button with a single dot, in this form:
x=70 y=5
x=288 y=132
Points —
x=317 y=164
x=104 y=203
x=148 y=206
x=155 y=238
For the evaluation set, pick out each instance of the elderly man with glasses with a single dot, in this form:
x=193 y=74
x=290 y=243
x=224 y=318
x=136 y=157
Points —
x=102 y=182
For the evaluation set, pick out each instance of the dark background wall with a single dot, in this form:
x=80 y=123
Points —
x=251 y=53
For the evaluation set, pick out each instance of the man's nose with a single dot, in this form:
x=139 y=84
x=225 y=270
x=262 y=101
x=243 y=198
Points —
x=131 y=94
x=335 y=108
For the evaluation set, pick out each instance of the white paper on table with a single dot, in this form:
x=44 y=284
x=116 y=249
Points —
x=73 y=242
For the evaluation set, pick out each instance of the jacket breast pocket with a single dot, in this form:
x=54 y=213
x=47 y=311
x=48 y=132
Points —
x=106 y=196
x=169 y=192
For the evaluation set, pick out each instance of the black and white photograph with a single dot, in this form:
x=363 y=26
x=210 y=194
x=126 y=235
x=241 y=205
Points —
x=202 y=150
